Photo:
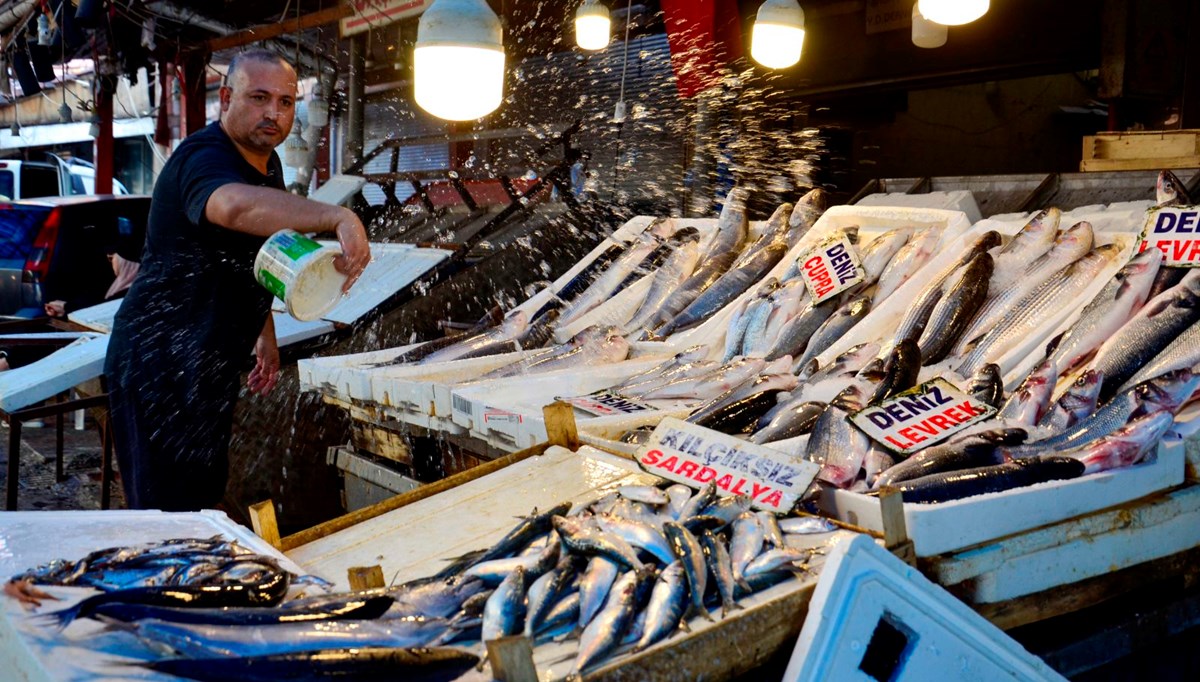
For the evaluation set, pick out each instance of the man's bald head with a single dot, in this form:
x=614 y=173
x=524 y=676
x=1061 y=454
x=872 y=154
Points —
x=256 y=56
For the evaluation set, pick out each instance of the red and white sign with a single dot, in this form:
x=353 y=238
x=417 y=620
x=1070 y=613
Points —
x=1175 y=230
x=369 y=14
x=494 y=416
x=831 y=268
x=695 y=456
x=605 y=404
x=921 y=416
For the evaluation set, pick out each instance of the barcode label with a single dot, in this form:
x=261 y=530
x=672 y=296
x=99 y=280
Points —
x=460 y=404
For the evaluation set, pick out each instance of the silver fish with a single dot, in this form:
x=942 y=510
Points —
x=777 y=559
x=512 y=327
x=206 y=641
x=917 y=315
x=786 y=303
x=594 y=587
x=693 y=354
x=746 y=542
x=719 y=566
x=546 y=591
x=678 y=495
x=691 y=370
x=1028 y=403
x=1025 y=247
x=637 y=534
x=843 y=320
x=848 y=362
x=730 y=285
x=795 y=335
x=646 y=494
x=505 y=610
x=609 y=627
x=581 y=539
x=1119 y=301
x=1071 y=246
x=606 y=284
x=668 y=601
x=1039 y=308
x=1127 y=445
x=687 y=549
x=907 y=261
x=726 y=377
x=1076 y=404
x=698 y=502
x=875 y=256
x=808 y=209
x=806 y=525
x=755 y=317
x=1169 y=191
x=669 y=277
x=773 y=229
x=792 y=418
x=1181 y=353
x=759 y=384
x=772 y=533
x=962 y=295
x=987 y=386
x=836 y=444
x=534 y=564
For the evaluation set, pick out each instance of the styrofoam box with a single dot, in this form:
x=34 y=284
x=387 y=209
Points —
x=425 y=389
x=88 y=649
x=508 y=412
x=344 y=376
x=949 y=526
x=957 y=200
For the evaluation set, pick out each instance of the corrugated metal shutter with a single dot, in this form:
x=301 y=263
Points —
x=389 y=115
x=559 y=87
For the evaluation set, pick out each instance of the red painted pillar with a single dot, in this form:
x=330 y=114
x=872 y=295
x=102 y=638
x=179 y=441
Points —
x=104 y=141
x=192 y=85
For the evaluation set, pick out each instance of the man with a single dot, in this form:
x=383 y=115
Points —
x=195 y=311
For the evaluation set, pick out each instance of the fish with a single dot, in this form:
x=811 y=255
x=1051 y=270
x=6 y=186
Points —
x=773 y=560
x=876 y=255
x=433 y=597
x=587 y=541
x=584 y=278
x=786 y=303
x=849 y=361
x=513 y=326
x=741 y=416
x=955 y=485
x=268 y=591
x=612 y=349
x=793 y=418
x=677 y=373
x=608 y=283
x=1072 y=245
x=1169 y=191
x=795 y=335
x=608 y=628
x=720 y=253
x=835 y=327
x=912 y=324
x=728 y=376
x=1041 y=307
x=876 y=462
x=361 y=663
x=725 y=289
x=687 y=549
x=646 y=494
x=594 y=587
x=638 y=534
x=962 y=296
x=495 y=571
x=908 y=260
x=669 y=277
x=836 y=444
x=1167 y=277
x=900 y=372
x=808 y=209
x=1033 y=240
x=1029 y=402
x=677 y=497
x=1147 y=333
x=1127 y=445
x=964 y=452
x=719 y=566
x=986 y=385
x=1077 y=403
x=199 y=641
x=775 y=228
x=806 y=525
x=668 y=602
x=772 y=533
x=1119 y=301
x=745 y=543
x=1182 y=353
x=682 y=358
x=698 y=502
x=564 y=613
x=519 y=536
x=727 y=508
x=321 y=608
x=754 y=321
x=546 y=591
x=504 y=613
x=735 y=333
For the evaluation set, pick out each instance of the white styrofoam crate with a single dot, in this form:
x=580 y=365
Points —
x=425 y=389
x=950 y=526
x=956 y=200
x=340 y=375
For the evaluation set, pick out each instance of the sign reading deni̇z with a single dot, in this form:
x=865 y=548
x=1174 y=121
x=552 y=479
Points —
x=830 y=268
x=921 y=416
x=606 y=403
x=696 y=456
x=1175 y=230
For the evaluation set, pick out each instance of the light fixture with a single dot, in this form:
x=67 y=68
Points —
x=778 y=35
x=295 y=149
x=926 y=33
x=64 y=111
x=592 y=25
x=318 y=112
x=45 y=34
x=15 y=129
x=94 y=129
x=953 y=12
x=458 y=62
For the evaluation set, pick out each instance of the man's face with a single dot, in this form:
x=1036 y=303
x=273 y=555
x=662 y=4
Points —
x=258 y=106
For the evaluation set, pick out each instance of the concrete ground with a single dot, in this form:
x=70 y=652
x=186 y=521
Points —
x=82 y=453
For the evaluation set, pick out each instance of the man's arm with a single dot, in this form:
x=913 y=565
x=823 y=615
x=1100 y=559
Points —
x=263 y=211
x=265 y=374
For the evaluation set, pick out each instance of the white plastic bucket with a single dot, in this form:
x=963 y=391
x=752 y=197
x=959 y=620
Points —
x=300 y=272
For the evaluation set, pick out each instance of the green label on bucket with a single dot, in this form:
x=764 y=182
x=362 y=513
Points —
x=272 y=284
x=295 y=246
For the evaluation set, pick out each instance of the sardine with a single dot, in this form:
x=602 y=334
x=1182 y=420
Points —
x=1120 y=299
x=963 y=294
x=721 y=569
x=546 y=591
x=531 y=527
x=637 y=534
x=698 y=502
x=668 y=602
x=806 y=525
x=594 y=587
x=773 y=560
x=581 y=539
x=687 y=549
x=504 y=613
x=678 y=496
x=746 y=543
x=495 y=571
x=609 y=627
x=956 y=485
x=646 y=494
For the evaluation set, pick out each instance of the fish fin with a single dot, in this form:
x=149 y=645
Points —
x=682 y=626
x=741 y=582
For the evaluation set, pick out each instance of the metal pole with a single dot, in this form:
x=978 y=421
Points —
x=356 y=96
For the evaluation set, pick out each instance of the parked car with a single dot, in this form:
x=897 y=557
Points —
x=55 y=177
x=56 y=248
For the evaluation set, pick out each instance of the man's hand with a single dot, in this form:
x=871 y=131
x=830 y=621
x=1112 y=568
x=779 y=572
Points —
x=56 y=308
x=356 y=252
x=265 y=374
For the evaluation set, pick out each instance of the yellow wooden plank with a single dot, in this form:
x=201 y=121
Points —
x=1091 y=165
x=262 y=520
x=365 y=577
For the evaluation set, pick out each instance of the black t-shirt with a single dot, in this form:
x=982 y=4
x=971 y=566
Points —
x=195 y=309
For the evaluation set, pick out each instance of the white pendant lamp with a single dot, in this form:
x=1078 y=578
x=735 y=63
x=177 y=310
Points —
x=925 y=33
x=318 y=112
x=295 y=149
x=459 y=60
x=778 y=34
x=593 y=27
x=953 y=12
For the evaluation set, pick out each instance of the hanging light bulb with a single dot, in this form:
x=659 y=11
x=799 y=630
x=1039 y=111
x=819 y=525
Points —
x=64 y=112
x=953 y=12
x=318 y=112
x=295 y=149
x=926 y=33
x=592 y=25
x=94 y=129
x=45 y=34
x=458 y=62
x=15 y=129
x=778 y=35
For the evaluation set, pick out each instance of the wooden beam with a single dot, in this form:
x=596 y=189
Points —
x=365 y=577
x=262 y=32
x=343 y=522
x=560 y=425
x=262 y=520
x=511 y=659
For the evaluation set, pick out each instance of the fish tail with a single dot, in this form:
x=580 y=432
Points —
x=62 y=618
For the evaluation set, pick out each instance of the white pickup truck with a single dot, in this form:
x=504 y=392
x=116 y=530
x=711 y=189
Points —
x=54 y=177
